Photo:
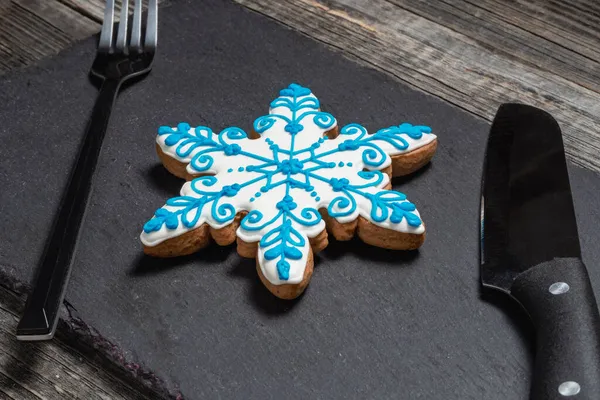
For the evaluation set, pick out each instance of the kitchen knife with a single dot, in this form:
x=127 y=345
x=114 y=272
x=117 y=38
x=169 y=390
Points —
x=530 y=250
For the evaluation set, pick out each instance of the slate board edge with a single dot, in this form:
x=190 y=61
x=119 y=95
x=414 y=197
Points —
x=73 y=327
x=88 y=341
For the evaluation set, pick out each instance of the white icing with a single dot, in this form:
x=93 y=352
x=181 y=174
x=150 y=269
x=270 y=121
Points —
x=266 y=203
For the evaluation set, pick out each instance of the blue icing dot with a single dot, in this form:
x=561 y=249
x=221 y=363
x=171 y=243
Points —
x=317 y=198
x=309 y=188
x=341 y=164
x=349 y=164
x=258 y=194
x=232 y=149
x=313 y=194
x=292 y=166
x=331 y=165
x=264 y=189
x=321 y=140
x=230 y=170
x=293 y=128
x=251 y=199
x=240 y=169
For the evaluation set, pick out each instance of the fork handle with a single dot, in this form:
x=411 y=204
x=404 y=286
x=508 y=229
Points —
x=42 y=308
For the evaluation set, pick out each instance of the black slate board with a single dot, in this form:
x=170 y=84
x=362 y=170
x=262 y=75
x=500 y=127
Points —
x=373 y=323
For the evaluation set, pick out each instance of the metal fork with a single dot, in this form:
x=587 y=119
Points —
x=115 y=63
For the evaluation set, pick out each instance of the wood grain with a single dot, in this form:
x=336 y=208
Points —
x=31 y=30
x=473 y=55
x=50 y=370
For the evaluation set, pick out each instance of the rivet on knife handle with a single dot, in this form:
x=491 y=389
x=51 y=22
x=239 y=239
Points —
x=567 y=360
x=530 y=250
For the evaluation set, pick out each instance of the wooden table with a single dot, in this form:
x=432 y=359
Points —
x=473 y=54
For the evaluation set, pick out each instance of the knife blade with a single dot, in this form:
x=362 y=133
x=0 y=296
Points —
x=530 y=250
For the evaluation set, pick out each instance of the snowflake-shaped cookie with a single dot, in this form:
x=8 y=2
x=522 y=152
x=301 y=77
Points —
x=278 y=189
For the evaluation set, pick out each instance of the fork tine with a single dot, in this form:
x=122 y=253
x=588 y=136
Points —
x=136 y=30
x=122 y=34
x=151 y=28
x=107 y=27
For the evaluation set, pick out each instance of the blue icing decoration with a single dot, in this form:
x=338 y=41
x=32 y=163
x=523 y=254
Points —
x=187 y=142
x=287 y=204
x=294 y=90
x=162 y=216
x=293 y=128
x=349 y=145
x=230 y=191
x=286 y=239
x=323 y=120
x=290 y=168
x=386 y=201
x=232 y=149
x=339 y=184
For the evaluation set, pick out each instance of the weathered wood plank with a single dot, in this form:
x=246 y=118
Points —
x=94 y=9
x=50 y=370
x=20 y=372
x=446 y=63
x=72 y=24
x=539 y=17
x=501 y=35
x=473 y=53
x=11 y=389
x=31 y=30
x=27 y=37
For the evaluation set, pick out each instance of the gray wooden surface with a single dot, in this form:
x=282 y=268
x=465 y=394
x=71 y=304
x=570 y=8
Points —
x=50 y=370
x=474 y=54
x=29 y=31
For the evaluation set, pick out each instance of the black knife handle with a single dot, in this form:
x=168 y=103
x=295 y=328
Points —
x=42 y=308
x=559 y=299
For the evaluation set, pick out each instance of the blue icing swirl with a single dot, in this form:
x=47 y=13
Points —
x=393 y=205
x=291 y=168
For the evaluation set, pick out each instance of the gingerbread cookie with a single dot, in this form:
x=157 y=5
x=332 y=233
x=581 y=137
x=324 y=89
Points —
x=279 y=191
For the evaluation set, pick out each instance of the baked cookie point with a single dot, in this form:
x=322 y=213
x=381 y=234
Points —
x=280 y=189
